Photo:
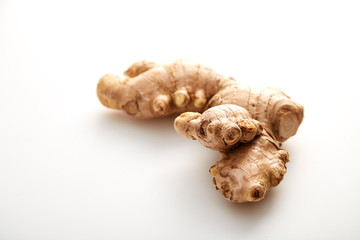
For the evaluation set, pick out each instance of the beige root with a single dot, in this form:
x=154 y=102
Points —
x=246 y=125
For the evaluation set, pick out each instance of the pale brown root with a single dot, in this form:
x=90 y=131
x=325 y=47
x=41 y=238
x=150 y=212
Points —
x=245 y=124
x=248 y=172
x=219 y=128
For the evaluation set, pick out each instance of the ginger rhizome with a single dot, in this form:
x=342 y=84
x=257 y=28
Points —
x=246 y=125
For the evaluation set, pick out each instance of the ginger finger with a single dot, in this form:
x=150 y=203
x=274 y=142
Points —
x=219 y=128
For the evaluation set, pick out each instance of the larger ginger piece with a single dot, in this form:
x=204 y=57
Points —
x=246 y=125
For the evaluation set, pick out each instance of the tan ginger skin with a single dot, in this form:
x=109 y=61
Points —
x=246 y=125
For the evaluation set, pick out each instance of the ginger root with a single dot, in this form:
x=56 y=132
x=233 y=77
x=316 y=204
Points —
x=246 y=125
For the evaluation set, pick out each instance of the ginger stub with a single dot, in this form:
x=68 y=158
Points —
x=246 y=125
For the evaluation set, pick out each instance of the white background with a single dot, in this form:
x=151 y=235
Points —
x=72 y=169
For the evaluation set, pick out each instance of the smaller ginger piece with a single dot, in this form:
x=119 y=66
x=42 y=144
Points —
x=247 y=173
x=251 y=161
x=219 y=128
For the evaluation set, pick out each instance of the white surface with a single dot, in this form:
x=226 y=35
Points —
x=71 y=169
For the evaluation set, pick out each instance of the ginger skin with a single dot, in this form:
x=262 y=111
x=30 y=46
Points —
x=246 y=125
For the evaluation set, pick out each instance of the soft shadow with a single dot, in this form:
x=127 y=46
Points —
x=198 y=177
x=252 y=211
x=118 y=120
x=248 y=216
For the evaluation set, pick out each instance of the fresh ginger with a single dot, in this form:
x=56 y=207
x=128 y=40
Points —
x=246 y=125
